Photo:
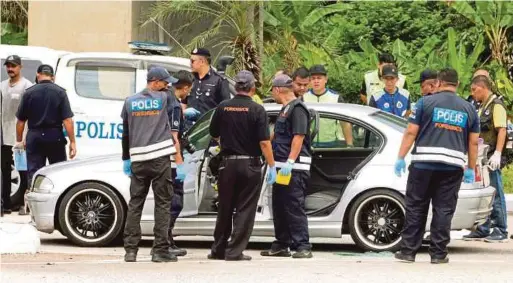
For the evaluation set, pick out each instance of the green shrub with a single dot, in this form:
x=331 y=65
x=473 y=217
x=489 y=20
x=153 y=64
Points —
x=507 y=179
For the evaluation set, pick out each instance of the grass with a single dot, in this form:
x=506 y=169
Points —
x=507 y=179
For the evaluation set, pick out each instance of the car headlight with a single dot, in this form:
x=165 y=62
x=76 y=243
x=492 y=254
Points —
x=42 y=185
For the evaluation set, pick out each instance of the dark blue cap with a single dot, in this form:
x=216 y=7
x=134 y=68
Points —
x=160 y=74
x=201 y=52
x=45 y=69
x=427 y=74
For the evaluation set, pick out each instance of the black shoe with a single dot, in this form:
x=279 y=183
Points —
x=278 y=253
x=6 y=211
x=213 y=256
x=174 y=250
x=167 y=257
x=302 y=254
x=239 y=258
x=440 y=260
x=406 y=258
x=130 y=256
x=474 y=236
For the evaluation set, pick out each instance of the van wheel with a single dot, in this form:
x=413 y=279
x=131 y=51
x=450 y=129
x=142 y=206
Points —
x=91 y=215
x=376 y=220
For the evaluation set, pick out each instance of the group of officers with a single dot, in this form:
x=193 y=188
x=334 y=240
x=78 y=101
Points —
x=444 y=128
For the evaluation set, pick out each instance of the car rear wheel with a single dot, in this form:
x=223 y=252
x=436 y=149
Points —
x=376 y=220
x=91 y=215
x=18 y=187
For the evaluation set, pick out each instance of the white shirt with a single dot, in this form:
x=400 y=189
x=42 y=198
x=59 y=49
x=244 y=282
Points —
x=11 y=98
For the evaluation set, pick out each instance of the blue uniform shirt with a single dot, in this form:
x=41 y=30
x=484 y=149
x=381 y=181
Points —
x=397 y=103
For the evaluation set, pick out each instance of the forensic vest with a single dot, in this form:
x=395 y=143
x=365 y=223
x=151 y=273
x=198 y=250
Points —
x=148 y=125
x=373 y=83
x=444 y=130
x=331 y=130
x=282 y=141
x=396 y=104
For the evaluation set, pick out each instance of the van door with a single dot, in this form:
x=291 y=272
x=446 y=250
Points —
x=97 y=88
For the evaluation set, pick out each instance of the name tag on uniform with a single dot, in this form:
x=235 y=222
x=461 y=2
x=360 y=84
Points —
x=450 y=117
x=146 y=107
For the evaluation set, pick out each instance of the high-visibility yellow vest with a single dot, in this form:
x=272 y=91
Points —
x=329 y=129
x=373 y=83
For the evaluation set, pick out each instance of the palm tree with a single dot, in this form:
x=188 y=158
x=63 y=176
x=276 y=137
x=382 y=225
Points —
x=15 y=13
x=232 y=28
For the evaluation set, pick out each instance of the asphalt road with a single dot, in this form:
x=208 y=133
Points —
x=338 y=259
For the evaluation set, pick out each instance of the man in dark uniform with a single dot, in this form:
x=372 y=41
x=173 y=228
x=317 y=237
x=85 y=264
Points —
x=428 y=82
x=241 y=126
x=291 y=148
x=209 y=88
x=148 y=144
x=46 y=108
x=445 y=129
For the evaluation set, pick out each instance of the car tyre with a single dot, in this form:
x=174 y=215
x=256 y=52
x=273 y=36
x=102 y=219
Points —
x=91 y=215
x=19 y=184
x=376 y=220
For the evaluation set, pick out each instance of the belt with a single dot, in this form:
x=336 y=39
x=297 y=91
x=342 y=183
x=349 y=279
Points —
x=241 y=157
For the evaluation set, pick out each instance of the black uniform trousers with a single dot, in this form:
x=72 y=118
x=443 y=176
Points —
x=176 y=204
x=157 y=173
x=425 y=186
x=289 y=216
x=42 y=145
x=239 y=189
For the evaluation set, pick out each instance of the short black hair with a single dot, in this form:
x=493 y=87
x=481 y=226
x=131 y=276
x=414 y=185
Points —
x=482 y=80
x=448 y=76
x=386 y=58
x=184 y=78
x=301 y=72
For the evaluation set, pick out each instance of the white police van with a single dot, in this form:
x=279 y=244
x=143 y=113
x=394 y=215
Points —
x=97 y=84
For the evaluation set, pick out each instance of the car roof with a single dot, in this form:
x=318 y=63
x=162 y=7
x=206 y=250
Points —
x=353 y=110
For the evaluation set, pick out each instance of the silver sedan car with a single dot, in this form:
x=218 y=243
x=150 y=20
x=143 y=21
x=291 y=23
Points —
x=352 y=190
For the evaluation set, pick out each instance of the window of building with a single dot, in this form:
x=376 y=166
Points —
x=105 y=82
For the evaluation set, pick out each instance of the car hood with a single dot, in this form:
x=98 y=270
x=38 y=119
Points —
x=104 y=163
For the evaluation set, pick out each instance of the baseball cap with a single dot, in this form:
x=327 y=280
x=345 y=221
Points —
x=245 y=77
x=389 y=71
x=13 y=59
x=318 y=70
x=427 y=74
x=45 y=69
x=160 y=74
x=282 y=81
x=201 y=52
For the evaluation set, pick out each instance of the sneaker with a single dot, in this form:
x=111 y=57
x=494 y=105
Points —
x=164 y=258
x=302 y=254
x=404 y=257
x=440 y=260
x=177 y=251
x=496 y=237
x=474 y=236
x=278 y=253
x=130 y=256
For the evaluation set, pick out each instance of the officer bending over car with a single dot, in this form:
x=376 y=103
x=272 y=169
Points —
x=148 y=144
x=291 y=148
x=241 y=127
x=445 y=129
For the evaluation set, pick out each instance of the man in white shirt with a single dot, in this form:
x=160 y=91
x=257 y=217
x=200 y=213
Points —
x=12 y=90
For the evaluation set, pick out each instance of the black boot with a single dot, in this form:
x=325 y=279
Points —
x=173 y=249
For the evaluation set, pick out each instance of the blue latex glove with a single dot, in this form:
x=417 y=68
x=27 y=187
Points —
x=191 y=113
x=287 y=169
x=469 y=176
x=271 y=175
x=127 y=167
x=400 y=165
x=180 y=172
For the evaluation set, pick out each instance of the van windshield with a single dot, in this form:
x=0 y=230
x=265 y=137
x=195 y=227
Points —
x=28 y=71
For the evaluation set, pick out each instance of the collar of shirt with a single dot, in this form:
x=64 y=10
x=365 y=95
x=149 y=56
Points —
x=45 y=82
x=325 y=91
x=242 y=96
x=392 y=94
x=487 y=103
x=207 y=75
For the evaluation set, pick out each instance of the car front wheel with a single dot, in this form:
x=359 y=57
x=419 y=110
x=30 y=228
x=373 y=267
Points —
x=91 y=215
x=376 y=220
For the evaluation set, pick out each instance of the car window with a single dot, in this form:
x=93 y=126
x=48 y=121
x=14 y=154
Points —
x=28 y=71
x=172 y=69
x=397 y=123
x=199 y=134
x=336 y=133
x=105 y=82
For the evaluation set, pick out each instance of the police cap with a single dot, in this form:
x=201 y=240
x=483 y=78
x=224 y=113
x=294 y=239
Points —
x=245 y=78
x=389 y=71
x=45 y=69
x=318 y=70
x=13 y=59
x=282 y=81
x=201 y=52
x=160 y=74
x=427 y=74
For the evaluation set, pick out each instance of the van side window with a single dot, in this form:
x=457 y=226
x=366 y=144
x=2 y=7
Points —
x=105 y=82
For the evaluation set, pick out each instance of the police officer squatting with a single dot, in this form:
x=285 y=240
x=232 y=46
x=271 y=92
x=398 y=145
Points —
x=148 y=144
x=445 y=130
x=240 y=125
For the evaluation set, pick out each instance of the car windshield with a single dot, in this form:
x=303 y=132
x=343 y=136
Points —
x=392 y=120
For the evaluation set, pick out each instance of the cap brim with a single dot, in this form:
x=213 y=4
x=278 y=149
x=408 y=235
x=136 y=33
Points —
x=12 y=62
x=171 y=80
